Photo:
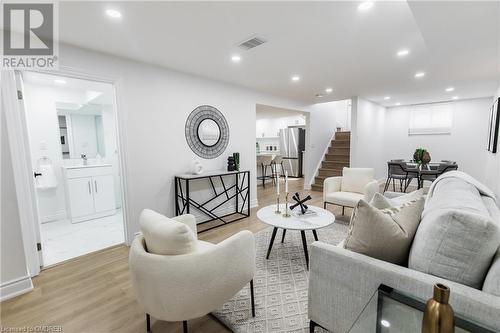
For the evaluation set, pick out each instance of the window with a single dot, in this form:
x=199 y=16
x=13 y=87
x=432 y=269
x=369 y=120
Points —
x=431 y=119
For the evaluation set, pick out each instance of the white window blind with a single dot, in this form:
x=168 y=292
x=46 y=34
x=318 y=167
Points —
x=431 y=119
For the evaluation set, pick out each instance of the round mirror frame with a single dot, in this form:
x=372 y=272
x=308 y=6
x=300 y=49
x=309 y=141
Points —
x=195 y=118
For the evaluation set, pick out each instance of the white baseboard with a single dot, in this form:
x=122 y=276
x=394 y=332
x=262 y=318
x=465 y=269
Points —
x=15 y=288
x=59 y=215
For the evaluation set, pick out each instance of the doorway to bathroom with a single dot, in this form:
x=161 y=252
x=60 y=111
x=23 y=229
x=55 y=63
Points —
x=72 y=130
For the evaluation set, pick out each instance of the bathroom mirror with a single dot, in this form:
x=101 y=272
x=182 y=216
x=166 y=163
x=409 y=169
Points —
x=80 y=134
x=207 y=132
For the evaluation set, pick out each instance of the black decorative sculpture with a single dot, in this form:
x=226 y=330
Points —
x=299 y=202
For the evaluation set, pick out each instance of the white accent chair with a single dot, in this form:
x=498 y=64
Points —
x=354 y=185
x=177 y=277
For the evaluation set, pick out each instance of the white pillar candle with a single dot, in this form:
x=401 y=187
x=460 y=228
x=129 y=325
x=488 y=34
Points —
x=277 y=182
x=286 y=181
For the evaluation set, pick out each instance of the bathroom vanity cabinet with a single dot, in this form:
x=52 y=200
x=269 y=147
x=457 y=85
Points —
x=90 y=191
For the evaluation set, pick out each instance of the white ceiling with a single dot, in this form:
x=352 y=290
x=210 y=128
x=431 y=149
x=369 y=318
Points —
x=329 y=44
x=272 y=112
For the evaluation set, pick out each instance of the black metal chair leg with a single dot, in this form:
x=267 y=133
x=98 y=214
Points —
x=271 y=242
x=304 y=244
x=185 y=326
x=393 y=185
x=324 y=205
x=387 y=184
x=252 y=298
x=148 y=323
x=283 y=236
x=315 y=234
x=343 y=208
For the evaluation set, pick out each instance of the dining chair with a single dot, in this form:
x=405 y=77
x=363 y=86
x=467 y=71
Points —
x=398 y=170
x=432 y=174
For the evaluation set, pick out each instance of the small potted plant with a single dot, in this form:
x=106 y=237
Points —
x=421 y=156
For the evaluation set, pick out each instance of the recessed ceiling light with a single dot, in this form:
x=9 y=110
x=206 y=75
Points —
x=365 y=5
x=402 y=53
x=398 y=104
x=235 y=58
x=295 y=78
x=328 y=90
x=113 y=13
x=59 y=81
x=420 y=74
x=385 y=323
x=450 y=89
x=387 y=98
x=455 y=97
x=319 y=95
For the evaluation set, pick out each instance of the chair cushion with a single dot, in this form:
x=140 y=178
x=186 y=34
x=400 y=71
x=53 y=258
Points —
x=165 y=236
x=457 y=238
x=381 y=202
x=355 y=179
x=348 y=199
x=384 y=234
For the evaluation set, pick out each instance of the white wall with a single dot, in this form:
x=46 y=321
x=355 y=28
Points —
x=13 y=273
x=466 y=144
x=492 y=163
x=367 y=136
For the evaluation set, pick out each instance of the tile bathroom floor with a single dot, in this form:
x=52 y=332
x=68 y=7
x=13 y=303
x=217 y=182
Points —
x=63 y=240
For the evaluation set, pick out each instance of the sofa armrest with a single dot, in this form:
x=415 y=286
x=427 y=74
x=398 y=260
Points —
x=370 y=189
x=189 y=220
x=331 y=184
x=342 y=282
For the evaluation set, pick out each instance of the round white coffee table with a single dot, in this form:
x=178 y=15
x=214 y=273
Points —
x=322 y=218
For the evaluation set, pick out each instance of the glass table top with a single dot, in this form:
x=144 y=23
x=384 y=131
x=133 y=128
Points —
x=390 y=311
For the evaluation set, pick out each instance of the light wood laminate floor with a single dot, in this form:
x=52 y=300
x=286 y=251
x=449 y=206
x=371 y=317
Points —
x=93 y=293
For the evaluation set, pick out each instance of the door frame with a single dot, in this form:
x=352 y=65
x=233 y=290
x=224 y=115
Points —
x=21 y=156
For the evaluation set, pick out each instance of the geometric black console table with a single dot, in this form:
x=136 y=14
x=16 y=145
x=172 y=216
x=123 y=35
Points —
x=239 y=192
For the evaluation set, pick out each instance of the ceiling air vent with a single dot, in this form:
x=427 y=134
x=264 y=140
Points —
x=251 y=43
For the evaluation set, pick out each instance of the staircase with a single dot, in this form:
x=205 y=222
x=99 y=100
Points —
x=335 y=159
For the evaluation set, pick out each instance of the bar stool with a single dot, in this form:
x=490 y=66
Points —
x=276 y=163
x=264 y=161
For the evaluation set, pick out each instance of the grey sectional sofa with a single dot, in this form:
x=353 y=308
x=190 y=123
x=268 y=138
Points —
x=457 y=244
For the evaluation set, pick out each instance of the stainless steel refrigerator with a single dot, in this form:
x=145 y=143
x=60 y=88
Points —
x=292 y=146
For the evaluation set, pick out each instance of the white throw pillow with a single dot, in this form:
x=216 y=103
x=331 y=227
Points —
x=384 y=234
x=381 y=202
x=166 y=236
x=355 y=179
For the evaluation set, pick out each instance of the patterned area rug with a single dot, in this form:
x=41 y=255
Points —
x=280 y=285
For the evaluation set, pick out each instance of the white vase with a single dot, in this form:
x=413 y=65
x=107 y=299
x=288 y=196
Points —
x=197 y=168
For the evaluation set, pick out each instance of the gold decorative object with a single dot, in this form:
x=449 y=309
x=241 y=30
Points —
x=438 y=314
x=286 y=206
x=277 y=204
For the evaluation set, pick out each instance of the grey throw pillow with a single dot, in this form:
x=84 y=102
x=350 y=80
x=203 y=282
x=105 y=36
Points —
x=385 y=234
x=381 y=202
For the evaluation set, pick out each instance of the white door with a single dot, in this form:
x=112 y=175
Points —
x=104 y=193
x=80 y=192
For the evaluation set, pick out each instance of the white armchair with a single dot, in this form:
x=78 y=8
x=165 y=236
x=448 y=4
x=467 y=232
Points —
x=196 y=280
x=354 y=185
